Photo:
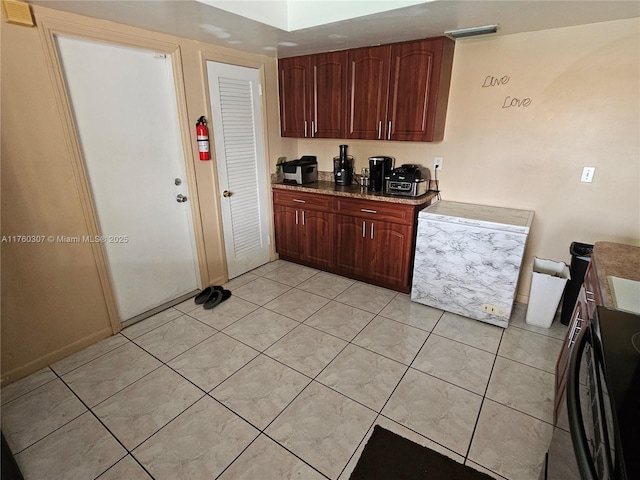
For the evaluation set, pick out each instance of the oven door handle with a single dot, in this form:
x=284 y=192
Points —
x=576 y=424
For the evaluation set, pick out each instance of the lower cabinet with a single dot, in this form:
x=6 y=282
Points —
x=579 y=320
x=375 y=250
x=288 y=237
x=366 y=240
x=318 y=241
x=589 y=298
x=391 y=253
x=304 y=235
x=350 y=254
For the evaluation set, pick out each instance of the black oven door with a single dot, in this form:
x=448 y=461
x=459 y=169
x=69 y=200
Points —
x=589 y=410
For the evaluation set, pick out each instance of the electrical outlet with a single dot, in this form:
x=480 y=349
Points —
x=494 y=310
x=437 y=163
x=587 y=174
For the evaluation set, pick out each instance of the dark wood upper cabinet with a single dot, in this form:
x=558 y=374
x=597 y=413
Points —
x=388 y=92
x=313 y=95
x=419 y=91
x=368 y=70
x=293 y=83
x=328 y=94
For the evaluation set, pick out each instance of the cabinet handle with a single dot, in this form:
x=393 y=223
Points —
x=302 y=217
x=299 y=201
x=389 y=131
x=575 y=329
x=593 y=297
x=305 y=129
x=364 y=229
x=366 y=210
x=371 y=230
x=379 y=129
x=296 y=217
x=313 y=129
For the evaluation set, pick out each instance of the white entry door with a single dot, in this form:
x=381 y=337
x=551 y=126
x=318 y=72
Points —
x=124 y=106
x=237 y=131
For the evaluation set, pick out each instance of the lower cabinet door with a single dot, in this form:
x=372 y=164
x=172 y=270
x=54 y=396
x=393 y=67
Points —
x=317 y=237
x=350 y=251
x=288 y=235
x=579 y=320
x=389 y=251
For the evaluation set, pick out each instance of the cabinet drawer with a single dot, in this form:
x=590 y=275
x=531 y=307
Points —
x=388 y=212
x=308 y=201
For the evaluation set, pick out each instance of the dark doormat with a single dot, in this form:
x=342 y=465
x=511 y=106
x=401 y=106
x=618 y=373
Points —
x=388 y=456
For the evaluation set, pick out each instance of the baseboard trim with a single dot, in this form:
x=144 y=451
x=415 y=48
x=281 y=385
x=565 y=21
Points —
x=48 y=359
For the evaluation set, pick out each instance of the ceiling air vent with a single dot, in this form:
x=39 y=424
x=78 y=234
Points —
x=471 y=32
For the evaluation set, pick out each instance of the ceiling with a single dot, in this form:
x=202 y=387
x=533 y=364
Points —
x=202 y=21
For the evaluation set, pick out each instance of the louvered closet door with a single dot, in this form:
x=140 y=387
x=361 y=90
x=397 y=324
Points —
x=236 y=106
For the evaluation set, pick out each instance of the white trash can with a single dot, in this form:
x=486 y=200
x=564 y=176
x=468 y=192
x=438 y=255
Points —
x=547 y=284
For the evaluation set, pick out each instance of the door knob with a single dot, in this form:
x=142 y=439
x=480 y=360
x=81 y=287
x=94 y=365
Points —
x=226 y=193
x=181 y=198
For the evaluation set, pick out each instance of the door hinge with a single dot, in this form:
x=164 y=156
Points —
x=268 y=239
x=260 y=89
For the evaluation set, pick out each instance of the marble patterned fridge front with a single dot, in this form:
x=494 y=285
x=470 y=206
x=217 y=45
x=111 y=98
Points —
x=468 y=266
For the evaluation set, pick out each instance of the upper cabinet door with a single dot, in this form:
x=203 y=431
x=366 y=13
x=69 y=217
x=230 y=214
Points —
x=368 y=71
x=328 y=94
x=389 y=92
x=294 y=84
x=420 y=77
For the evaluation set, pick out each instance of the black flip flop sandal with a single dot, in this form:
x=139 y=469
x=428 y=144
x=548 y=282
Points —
x=204 y=295
x=216 y=298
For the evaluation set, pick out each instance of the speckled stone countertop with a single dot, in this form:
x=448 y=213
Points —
x=617 y=260
x=326 y=186
x=354 y=191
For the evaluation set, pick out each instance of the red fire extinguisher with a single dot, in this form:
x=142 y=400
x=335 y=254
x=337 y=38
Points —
x=202 y=133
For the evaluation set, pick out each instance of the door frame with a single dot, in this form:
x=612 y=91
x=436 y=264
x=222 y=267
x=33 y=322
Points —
x=212 y=56
x=49 y=28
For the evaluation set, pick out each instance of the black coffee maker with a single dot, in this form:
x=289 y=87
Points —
x=343 y=167
x=379 y=167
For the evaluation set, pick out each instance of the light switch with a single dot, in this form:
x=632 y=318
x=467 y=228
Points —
x=587 y=174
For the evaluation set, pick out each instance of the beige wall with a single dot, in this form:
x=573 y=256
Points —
x=583 y=83
x=53 y=302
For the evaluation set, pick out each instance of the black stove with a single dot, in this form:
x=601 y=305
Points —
x=619 y=334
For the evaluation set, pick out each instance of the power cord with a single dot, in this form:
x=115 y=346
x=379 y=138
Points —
x=435 y=179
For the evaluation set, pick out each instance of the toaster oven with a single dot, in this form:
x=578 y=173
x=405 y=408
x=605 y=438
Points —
x=303 y=170
x=408 y=180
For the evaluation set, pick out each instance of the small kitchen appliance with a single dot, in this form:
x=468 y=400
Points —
x=408 y=180
x=343 y=167
x=302 y=170
x=379 y=168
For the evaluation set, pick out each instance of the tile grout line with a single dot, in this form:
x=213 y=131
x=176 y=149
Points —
x=262 y=431
x=379 y=413
x=3 y=405
x=311 y=381
x=90 y=410
x=484 y=396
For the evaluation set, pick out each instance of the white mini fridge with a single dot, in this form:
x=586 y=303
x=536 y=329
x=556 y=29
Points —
x=468 y=258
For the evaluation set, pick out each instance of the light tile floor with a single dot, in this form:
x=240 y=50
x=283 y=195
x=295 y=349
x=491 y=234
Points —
x=286 y=379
